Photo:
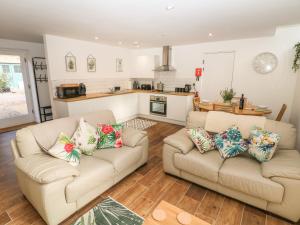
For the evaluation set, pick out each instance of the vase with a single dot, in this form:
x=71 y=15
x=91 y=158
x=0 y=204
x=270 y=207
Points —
x=227 y=102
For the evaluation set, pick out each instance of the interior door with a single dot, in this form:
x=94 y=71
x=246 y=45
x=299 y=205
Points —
x=218 y=74
x=15 y=94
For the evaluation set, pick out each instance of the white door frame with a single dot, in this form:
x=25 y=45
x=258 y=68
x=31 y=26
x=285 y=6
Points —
x=9 y=122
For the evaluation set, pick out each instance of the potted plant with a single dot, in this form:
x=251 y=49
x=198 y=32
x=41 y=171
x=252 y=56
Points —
x=296 y=62
x=227 y=95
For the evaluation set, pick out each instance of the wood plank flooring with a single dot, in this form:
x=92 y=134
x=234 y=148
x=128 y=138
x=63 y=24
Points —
x=140 y=191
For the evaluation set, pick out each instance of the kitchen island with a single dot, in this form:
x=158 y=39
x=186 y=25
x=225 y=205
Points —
x=127 y=104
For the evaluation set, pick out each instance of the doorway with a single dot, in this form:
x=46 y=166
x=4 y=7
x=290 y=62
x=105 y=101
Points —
x=15 y=94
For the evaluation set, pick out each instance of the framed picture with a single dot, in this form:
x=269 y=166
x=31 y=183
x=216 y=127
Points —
x=91 y=64
x=119 y=65
x=70 y=62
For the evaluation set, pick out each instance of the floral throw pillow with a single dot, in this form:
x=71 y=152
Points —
x=230 y=143
x=109 y=136
x=262 y=144
x=203 y=140
x=65 y=149
x=85 y=138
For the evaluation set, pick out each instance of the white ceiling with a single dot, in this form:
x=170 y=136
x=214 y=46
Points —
x=145 y=21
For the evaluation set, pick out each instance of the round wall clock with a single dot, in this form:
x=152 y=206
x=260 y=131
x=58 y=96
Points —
x=265 y=62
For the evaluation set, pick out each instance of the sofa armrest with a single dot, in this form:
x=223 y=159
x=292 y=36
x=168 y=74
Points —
x=181 y=141
x=285 y=163
x=45 y=169
x=132 y=137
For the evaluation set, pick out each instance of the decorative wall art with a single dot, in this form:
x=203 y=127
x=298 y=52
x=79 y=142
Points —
x=70 y=62
x=119 y=65
x=91 y=64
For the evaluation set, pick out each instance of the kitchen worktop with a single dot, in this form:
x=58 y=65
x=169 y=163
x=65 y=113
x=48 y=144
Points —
x=103 y=94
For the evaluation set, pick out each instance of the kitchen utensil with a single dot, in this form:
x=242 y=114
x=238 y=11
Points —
x=160 y=86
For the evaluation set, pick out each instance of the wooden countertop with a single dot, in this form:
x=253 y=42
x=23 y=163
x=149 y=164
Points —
x=102 y=95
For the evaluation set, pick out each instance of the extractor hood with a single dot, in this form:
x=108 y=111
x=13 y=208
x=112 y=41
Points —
x=166 y=60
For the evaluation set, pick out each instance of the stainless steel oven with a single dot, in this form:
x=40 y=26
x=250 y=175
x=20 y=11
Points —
x=158 y=105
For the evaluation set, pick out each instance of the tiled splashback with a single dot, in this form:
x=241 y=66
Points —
x=168 y=78
x=95 y=85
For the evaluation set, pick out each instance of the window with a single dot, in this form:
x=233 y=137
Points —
x=17 y=68
x=5 y=69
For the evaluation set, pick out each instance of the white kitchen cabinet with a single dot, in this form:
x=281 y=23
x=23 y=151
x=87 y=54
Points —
x=143 y=66
x=124 y=107
x=144 y=103
x=177 y=107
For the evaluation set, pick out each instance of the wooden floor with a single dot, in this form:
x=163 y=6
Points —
x=141 y=191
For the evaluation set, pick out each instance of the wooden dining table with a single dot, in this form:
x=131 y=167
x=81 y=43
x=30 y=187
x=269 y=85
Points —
x=248 y=110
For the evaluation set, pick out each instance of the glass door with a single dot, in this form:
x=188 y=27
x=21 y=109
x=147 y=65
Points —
x=15 y=94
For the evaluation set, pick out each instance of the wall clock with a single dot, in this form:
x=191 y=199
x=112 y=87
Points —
x=265 y=62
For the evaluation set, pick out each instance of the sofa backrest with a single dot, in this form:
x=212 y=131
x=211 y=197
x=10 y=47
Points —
x=45 y=134
x=286 y=131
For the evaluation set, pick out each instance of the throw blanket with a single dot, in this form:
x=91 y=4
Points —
x=220 y=121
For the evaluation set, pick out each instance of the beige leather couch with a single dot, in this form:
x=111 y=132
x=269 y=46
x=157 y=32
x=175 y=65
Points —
x=55 y=188
x=273 y=186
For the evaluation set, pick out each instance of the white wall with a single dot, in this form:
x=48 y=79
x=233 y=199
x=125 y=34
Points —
x=105 y=77
x=295 y=117
x=31 y=50
x=272 y=89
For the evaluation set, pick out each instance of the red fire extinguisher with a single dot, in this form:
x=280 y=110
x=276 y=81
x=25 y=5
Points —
x=198 y=73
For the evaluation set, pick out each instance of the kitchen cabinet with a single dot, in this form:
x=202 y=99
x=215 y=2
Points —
x=177 y=107
x=144 y=103
x=143 y=66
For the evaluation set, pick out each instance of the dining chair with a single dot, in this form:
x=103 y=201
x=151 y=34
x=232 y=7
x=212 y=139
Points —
x=281 y=112
x=196 y=102
x=223 y=107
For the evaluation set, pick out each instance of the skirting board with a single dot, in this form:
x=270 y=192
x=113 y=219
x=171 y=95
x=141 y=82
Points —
x=162 y=119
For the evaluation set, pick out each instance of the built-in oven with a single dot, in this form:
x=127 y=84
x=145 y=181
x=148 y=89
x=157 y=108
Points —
x=158 y=105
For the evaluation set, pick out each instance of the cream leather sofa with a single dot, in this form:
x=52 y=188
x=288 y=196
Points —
x=273 y=186
x=55 y=188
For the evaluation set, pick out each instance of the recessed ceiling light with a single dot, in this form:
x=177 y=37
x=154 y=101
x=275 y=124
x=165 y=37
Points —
x=136 y=43
x=96 y=38
x=210 y=34
x=170 y=7
x=137 y=46
x=120 y=43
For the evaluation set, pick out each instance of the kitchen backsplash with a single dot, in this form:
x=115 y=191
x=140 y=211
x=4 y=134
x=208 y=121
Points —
x=95 y=85
x=168 y=78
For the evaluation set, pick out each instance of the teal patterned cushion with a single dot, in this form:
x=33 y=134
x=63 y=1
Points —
x=230 y=143
x=263 y=144
x=203 y=141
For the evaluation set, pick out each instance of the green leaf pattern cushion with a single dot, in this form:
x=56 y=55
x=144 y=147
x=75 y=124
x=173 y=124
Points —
x=203 y=141
x=109 y=136
x=230 y=143
x=262 y=144
x=85 y=137
x=66 y=150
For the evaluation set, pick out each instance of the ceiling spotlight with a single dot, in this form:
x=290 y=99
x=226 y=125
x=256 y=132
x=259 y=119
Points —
x=96 y=38
x=137 y=46
x=120 y=43
x=210 y=34
x=170 y=7
x=136 y=43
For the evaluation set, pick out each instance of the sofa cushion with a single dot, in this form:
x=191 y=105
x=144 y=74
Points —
x=85 y=137
x=203 y=165
x=109 y=136
x=202 y=139
x=262 y=144
x=121 y=158
x=181 y=141
x=46 y=133
x=230 y=143
x=244 y=174
x=26 y=142
x=286 y=131
x=284 y=164
x=217 y=122
x=102 y=116
x=131 y=137
x=45 y=169
x=93 y=171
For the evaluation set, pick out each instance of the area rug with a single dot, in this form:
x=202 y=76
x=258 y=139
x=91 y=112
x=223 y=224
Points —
x=139 y=124
x=110 y=212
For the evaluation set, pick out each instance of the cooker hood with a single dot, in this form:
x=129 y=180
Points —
x=166 y=60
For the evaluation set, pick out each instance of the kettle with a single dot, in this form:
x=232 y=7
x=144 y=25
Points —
x=187 y=88
x=160 y=86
